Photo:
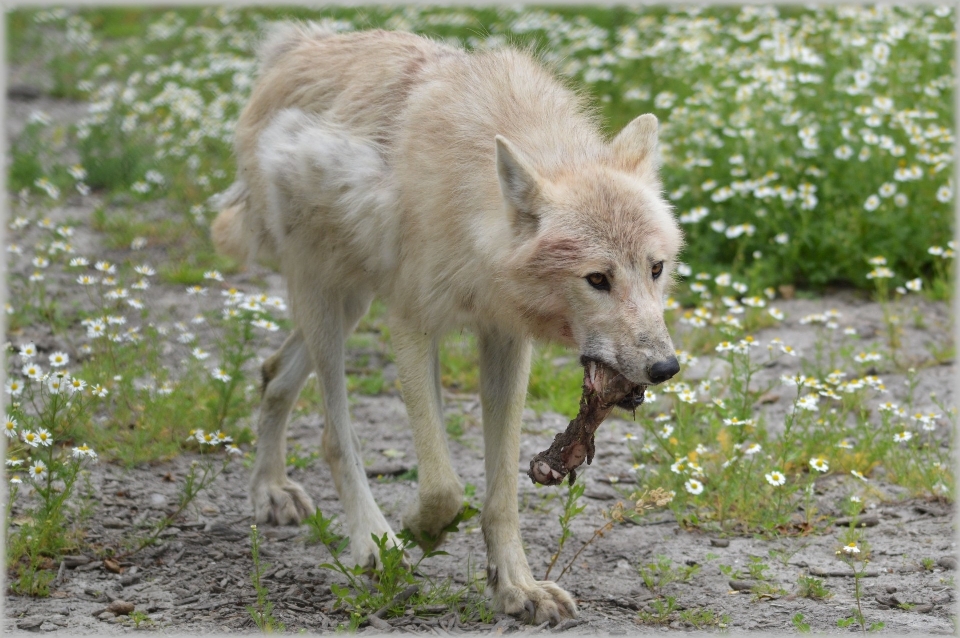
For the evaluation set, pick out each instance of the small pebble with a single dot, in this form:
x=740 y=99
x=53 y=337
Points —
x=720 y=542
x=120 y=607
x=600 y=495
x=282 y=533
x=891 y=589
x=569 y=623
x=31 y=623
x=106 y=615
x=379 y=623
x=947 y=562
x=129 y=579
x=90 y=566
x=862 y=521
x=925 y=608
x=740 y=585
x=76 y=561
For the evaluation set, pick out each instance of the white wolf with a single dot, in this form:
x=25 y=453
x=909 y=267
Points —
x=466 y=191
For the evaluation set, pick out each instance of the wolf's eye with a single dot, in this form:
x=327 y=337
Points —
x=657 y=269
x=598 y=280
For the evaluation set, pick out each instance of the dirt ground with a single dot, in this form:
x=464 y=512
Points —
x=197 y=580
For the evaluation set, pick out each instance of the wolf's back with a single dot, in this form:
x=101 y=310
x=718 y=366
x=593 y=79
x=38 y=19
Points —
x=232 y=235
x=279 y=38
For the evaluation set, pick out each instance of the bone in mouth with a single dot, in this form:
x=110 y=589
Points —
x=603 y=389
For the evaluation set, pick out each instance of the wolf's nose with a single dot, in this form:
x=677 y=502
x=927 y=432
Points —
x=663 y=370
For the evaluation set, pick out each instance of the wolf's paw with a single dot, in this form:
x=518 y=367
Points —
x=366 y=553
x=284 y=503
x=539 y=602
x=427 y=518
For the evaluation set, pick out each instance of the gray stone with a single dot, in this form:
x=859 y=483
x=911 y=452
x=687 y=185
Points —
x=226 y=531
x=281 y=533
x=76 y=561
x=31 y=623
x=740 y=585
x=569 y=623
x=90 y=566
x=128 y=579
x=379 y=623
x=861 y=521
x=947 y=562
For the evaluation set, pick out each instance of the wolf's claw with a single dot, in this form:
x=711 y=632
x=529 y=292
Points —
x=542 y=602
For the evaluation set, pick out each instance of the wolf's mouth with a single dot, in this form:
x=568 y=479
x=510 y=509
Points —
x=614 y=379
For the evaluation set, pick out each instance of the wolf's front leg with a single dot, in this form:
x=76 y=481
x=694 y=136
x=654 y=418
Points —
x=440 y=494
x=504 y=368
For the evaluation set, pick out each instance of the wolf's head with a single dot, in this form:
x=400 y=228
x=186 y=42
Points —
x=595 y=249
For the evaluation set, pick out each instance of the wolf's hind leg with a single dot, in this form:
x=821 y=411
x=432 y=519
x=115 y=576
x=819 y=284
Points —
x=504 y=368
x=440 y=494
x=275 y=498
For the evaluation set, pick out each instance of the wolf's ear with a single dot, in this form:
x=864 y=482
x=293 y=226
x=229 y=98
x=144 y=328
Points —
x=635 y=147
x=519 y=184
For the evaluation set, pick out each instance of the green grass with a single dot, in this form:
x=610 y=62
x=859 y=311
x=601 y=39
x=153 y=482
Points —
x=121 y=227
x=714 y=109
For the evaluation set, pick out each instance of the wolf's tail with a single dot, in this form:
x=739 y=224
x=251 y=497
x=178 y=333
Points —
x=228 y=231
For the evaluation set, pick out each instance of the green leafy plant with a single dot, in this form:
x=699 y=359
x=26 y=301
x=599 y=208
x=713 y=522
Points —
x=757 y=568
x=812 y=588
x=658 y=575
x=394 y=582
x=139 y=617
x=262 y=611
x=571 y=509
x=200 y=476
x=41 y=407
x=856 y=559
x=701 y=618
x=614 y=516
x=660 y=610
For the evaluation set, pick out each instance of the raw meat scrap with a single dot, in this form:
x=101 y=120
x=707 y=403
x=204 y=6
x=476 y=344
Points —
x=603 y=389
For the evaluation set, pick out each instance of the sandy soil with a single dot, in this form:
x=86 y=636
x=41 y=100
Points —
x=197 y=580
